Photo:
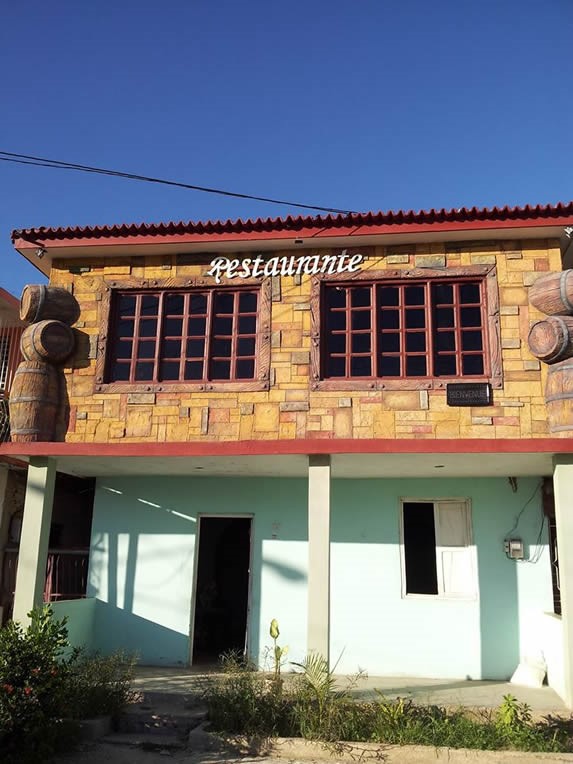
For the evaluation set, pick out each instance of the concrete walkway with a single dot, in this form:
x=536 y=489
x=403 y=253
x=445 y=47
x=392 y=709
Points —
x=445 y=692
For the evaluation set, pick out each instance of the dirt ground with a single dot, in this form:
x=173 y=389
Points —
x=105 y=753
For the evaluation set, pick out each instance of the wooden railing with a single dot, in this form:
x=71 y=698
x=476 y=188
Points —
x=66 y=575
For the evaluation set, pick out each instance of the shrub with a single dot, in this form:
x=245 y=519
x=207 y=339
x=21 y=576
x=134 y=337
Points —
x=99 y=685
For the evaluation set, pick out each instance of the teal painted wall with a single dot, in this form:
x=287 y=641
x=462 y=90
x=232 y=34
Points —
x=141 y=571
x=141 y=562
x=81 y=620
x=374 y=627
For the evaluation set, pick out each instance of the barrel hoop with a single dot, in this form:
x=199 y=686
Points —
x=30 y=399
x=563 y=291
x=42 y=299
x=30 y=371
x=559 y=397
x=553 y=369
x=565 y=340
x=28 y=431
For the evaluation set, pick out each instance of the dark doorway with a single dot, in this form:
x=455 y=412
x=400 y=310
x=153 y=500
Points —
x=222 y=590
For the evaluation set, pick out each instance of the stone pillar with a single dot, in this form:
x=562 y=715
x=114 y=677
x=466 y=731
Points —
x=563 y=489
x=33 y=552
x=318 y=628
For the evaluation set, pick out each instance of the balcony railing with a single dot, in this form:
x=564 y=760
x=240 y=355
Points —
x=66 y=575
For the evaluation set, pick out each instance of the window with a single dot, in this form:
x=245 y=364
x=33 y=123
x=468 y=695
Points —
x=4 y=361
x=408 y=329
x=437 y=555
x=176 y=338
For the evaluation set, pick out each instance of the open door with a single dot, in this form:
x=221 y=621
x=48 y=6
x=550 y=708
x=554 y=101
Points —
x=222 y=587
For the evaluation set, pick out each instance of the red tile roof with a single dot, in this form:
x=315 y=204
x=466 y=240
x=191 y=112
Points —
x=463 y=215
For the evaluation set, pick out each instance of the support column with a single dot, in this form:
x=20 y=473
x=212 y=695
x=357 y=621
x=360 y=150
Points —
x=318 y=628
x=33 y=552
x=563 y=489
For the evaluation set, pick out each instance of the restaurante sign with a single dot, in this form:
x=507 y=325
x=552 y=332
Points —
x=293 y=265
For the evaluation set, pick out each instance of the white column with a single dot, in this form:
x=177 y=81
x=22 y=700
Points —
x=318 y=629
x=33 y=552
x=563 y=488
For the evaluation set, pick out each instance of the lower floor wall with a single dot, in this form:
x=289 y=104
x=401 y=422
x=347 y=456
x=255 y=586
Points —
x=143 y=566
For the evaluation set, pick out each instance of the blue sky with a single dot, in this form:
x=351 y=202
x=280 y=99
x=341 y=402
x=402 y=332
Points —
x=375 y=104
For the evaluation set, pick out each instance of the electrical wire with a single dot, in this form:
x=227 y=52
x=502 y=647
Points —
x=27 y=159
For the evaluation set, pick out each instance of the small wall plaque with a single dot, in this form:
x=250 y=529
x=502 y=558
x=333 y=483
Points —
x=469 y=394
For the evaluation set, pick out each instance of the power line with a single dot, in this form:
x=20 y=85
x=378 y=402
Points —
x=7 y=156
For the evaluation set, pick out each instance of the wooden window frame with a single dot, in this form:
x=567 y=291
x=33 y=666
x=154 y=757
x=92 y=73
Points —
x=441 y=594
x=491 y=329
x=262 y=345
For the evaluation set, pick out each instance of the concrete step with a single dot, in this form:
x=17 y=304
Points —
x=145 y=742
x=162 y=713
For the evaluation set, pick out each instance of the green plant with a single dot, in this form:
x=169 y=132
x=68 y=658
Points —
x=100 y=685
x=279 y=653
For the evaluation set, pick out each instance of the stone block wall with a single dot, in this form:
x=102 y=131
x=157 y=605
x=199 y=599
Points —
x=290 y=408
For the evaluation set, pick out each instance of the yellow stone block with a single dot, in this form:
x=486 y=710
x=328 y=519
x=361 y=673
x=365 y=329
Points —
x=266 y=417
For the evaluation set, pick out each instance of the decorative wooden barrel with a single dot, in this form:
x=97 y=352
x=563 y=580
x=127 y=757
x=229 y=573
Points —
x=34 y=400
x=39 y=303
x=553 y=294
x=559 y=397
x=551 y=340
x=50 y=341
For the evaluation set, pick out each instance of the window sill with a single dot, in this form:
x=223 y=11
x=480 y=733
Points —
x=252 y=385
x=349 y=385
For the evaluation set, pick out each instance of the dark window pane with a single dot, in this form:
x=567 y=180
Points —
x=420 y=548
x=122 y=349
x=221 y=348
x=360 y=367
x=248 y=302
x=337 y=343
x=247 y=324
x=120 y=372
x=390 y=319
x=472 y=364
x=196 y=327
x=336 y=367
x=146 y=349
x=361 y=343
x=125 y=328
x=390 y=343
x=415 y=318
x=445 y=341
x=126 y=305
x=245 y=369
x=360 y=298
x=472 y=341
x=169 y=371
x=389 y=366
x=336 y=297
x=143 y=371
x=388 y=296
x=171 y=349
x=224 y=302
x=414 y=295
x=173 y=304
x=173 y=327
x=360 y=319
x=149 y=305
x=446 y=366
x=221 y=370
x=198 y=303
x=148 y=327
x=195 y=348
x=443 y=293
x=470 y=293
x=194 y=370
x=415 y=366
x=246 y=346
x=224 y=325
x=470 y=316
x=444 y=317
x=415 y=342
x=336 y=320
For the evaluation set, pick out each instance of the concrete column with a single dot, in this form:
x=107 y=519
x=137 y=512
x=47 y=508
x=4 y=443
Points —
x=318 y=629
x=33 y=553
x=563 y=489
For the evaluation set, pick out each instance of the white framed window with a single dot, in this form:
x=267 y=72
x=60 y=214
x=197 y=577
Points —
x=437 y=554
x=4 y=360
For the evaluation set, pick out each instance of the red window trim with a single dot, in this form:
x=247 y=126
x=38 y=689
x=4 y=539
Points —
x=491 y=328
x=262 y=343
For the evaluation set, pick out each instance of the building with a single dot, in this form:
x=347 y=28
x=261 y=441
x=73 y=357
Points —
x=332 y=421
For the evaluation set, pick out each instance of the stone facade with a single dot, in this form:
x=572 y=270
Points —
x=291 y=408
